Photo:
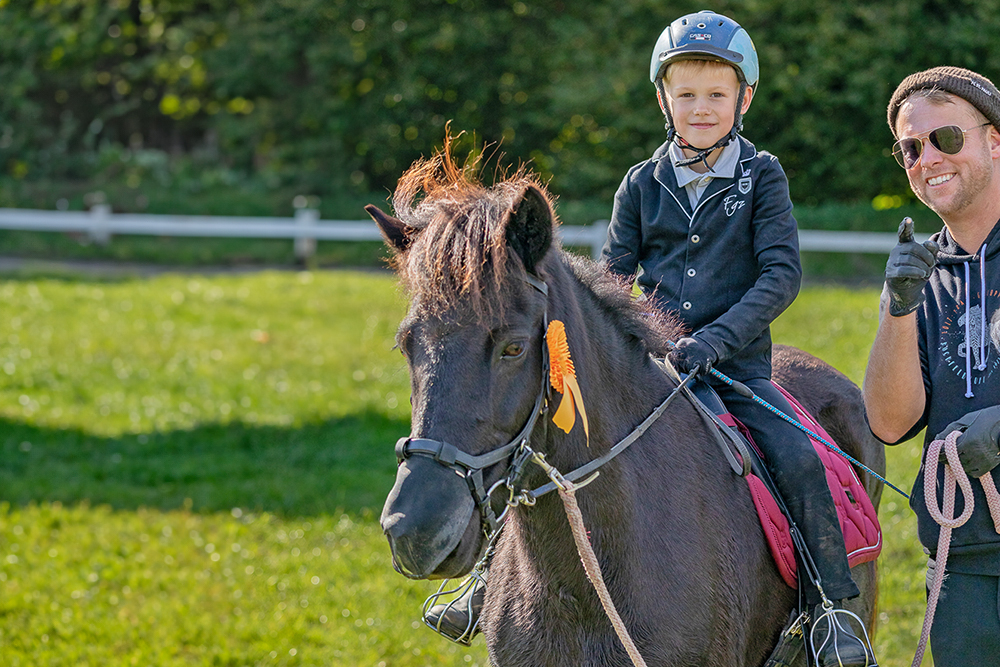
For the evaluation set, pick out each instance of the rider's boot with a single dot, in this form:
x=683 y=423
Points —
x=835 y=642
x=458 y=620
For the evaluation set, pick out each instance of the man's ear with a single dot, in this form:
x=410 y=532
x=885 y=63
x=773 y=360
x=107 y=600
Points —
x=993 y=141
x=529 y=227
x=395 y=232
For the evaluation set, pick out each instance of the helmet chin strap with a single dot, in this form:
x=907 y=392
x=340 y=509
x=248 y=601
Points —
x=701 y=154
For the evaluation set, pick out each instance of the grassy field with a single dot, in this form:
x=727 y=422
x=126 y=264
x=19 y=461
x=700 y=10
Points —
x=192 y=469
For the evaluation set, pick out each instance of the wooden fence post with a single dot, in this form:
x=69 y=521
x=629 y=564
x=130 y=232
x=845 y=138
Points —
x=305 y=246
x=98 y=232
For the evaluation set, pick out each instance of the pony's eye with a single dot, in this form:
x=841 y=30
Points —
x=513 y=350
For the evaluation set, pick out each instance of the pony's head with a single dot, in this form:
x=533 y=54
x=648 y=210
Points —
x=470 y=258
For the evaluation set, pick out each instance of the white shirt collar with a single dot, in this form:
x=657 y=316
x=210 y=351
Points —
x=725 y=166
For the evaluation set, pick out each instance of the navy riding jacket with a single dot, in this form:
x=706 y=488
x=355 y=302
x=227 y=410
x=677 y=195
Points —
x=728 y=268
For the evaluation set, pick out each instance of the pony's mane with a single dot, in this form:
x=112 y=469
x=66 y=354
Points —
x=635 y=317
x=459 y=248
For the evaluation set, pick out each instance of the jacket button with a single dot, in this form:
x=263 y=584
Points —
x=691 y=273
x=695 y=238
x=686 y=305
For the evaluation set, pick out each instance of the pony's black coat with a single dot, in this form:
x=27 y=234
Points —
x=675 y=531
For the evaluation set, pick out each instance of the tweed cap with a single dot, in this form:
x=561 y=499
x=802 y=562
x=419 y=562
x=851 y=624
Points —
x=974 y=88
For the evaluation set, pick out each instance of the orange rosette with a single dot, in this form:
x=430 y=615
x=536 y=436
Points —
x=562 y=375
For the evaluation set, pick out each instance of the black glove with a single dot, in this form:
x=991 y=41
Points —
x=691 y=353
x=907 y=271
x=979 y=445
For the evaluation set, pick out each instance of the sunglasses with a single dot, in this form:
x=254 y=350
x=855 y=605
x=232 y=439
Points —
x=949 y=139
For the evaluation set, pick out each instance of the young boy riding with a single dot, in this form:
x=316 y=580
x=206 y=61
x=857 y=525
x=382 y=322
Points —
x=709 y=221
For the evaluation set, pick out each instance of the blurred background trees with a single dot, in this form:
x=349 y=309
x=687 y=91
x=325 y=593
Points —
x=336 y=98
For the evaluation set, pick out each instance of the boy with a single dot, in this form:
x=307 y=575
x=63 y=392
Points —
x=709 y=221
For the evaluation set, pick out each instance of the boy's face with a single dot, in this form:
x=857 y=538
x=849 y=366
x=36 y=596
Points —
x=702 y=98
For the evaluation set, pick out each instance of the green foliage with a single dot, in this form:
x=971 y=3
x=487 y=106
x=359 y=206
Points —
x=328 y=97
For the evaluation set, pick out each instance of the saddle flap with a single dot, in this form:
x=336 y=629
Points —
x=857 y=516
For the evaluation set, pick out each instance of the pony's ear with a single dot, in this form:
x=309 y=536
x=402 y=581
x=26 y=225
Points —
x=394 y=230
x=529 y=227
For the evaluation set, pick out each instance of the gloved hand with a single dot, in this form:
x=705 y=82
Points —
x=979 y=445
x=691 y=353
x=907 y=271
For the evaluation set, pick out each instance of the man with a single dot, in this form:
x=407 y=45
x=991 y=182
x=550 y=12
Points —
x=934 y=362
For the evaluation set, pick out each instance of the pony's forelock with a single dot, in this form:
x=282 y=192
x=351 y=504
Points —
x=459 y=253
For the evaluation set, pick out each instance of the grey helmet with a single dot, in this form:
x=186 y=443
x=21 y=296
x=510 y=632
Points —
x=705 y=35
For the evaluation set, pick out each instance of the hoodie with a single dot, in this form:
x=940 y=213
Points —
x=959 y=339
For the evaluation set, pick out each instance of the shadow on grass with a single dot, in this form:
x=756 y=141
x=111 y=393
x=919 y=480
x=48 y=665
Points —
x=345 y=464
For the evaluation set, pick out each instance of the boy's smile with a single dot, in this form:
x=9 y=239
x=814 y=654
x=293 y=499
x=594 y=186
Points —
x=702 y=98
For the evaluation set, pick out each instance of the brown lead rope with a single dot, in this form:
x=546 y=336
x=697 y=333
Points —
x=567 y=491
x=945 y=517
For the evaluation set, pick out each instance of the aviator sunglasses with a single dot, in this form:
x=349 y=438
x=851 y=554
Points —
x=949 y=139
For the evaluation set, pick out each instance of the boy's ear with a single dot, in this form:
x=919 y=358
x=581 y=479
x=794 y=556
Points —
x=747 y=98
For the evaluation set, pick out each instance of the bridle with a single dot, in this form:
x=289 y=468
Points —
x=517 y=452
x=471 y=467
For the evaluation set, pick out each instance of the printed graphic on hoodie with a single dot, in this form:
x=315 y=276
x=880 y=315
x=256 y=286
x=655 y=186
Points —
x=970 y=343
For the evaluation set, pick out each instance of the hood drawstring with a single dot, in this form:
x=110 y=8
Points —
x=968 y=350
x=983 y=346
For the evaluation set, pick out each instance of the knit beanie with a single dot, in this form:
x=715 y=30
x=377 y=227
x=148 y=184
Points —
x=974 y=88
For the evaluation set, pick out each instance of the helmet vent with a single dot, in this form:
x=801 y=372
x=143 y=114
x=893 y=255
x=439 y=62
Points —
x=702 y=26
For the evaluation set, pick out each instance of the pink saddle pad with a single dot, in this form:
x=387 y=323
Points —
x=858 y=518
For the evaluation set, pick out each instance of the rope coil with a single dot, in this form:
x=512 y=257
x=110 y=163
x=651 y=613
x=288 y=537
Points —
x=954 y=475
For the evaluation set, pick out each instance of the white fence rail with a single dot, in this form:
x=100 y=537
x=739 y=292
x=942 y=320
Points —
x=306 y=228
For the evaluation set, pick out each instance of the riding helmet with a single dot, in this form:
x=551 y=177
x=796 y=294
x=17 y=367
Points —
x=705 y=35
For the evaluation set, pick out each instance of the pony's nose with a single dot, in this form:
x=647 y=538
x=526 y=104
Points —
x=425 y=515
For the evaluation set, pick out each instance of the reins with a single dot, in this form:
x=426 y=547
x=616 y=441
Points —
x=954 y=474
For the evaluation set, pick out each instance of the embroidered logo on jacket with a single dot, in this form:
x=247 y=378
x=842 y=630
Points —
x=732 y=204
x=745 y=185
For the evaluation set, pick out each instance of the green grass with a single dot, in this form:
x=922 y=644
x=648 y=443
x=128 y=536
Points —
x=192 y=469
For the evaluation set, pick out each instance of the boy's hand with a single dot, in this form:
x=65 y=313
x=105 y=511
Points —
x=690 y=354
x=979 y=445
x=906 y=273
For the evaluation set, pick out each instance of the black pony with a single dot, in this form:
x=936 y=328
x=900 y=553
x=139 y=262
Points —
x=674 y=530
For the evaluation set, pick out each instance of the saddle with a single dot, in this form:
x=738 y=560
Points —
x=858 y=518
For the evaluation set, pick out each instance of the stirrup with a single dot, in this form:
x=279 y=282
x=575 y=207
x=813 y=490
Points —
x=459 y=600
x=837 y=629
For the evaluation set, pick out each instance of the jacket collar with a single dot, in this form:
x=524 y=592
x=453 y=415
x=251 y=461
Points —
x=664 y=173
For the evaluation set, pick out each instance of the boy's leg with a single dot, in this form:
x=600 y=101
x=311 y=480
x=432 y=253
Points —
x=966 y=629
x=800 y=477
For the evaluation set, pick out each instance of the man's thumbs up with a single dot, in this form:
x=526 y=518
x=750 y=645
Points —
x=909 y=266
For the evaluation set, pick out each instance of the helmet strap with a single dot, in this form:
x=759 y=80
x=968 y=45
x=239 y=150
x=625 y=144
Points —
x=701 y=153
